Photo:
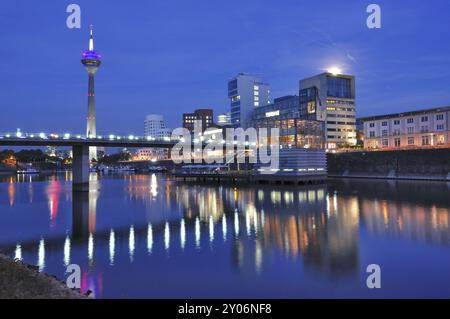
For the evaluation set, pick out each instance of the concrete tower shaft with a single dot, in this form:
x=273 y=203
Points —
x=91 y=60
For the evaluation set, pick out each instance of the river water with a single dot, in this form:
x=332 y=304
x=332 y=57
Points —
x=147 y=236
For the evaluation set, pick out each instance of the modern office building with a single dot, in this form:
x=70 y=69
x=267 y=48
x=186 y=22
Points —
x=295 y=131
x=91 y=60
x=203 y=115
x=155 y=128
x=330 y=98
x=246 y=93
x=428 y=128
x=223 y=119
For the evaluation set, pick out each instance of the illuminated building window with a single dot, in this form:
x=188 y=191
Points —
x=311 y=106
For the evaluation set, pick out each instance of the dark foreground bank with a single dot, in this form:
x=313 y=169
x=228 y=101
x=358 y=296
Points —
x=18 y=281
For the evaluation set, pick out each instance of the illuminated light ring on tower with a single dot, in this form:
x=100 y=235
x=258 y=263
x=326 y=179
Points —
x=91 y=59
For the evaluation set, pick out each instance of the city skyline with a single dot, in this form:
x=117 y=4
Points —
x=257 y=151
x=155 y=80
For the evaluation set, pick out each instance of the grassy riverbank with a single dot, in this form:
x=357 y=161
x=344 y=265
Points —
x=19 y=281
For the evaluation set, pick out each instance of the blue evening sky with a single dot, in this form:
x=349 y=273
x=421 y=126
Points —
x=172 y=56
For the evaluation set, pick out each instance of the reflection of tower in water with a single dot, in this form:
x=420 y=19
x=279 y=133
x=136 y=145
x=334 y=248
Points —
x=84 y=209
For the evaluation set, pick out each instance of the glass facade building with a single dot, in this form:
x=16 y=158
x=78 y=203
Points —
x=295 y=131
x=246 y=93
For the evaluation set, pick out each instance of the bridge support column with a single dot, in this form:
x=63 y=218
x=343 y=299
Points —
x=80 y=168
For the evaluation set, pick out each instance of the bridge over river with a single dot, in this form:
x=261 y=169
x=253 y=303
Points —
x=80 y=145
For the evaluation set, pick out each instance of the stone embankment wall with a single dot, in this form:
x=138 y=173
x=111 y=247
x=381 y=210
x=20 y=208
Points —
x=430 y=164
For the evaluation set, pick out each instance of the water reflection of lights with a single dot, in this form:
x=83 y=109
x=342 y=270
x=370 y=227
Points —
x=197 y=232
x=67 y=251
x=335 y=205
x=236 y=223
x=211 y=229
x=312 y=231
x=93 y=196
x=328 y=206
x=275 y=197
x=224 y=227
x=91 y=248
x=247 y=222
x=131 y=243
x=153 y=186
x=166 y=236
x=260 y=195
x=255 y=221
x=18 y=253
x=289 y=197
x=258 y=257
x=112 y=247
x=11 y=193
x=41 y=255
x=53 y=193
x=182 y=233
x=149 y=238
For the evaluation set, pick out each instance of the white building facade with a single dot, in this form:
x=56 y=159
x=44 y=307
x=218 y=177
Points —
x=246 y=92
x=154 y=127
x=429 y=128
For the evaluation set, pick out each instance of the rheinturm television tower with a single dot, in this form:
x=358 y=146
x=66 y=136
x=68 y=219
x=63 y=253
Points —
x=91 y=59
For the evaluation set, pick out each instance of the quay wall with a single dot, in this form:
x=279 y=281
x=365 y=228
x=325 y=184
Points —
x=426 y=164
